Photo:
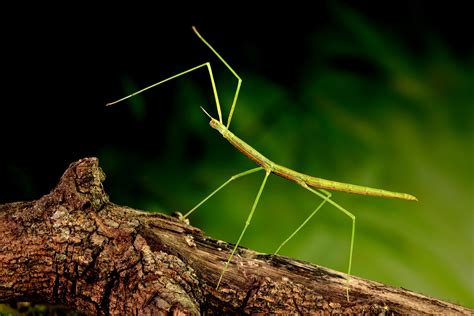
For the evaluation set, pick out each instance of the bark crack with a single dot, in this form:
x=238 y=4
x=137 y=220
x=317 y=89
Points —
x=112 y=282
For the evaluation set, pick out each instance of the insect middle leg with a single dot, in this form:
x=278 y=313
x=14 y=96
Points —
x=247 y=222
x=236 y=176
x=249 y=218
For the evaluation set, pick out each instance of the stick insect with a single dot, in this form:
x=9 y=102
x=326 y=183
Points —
x=315 y=185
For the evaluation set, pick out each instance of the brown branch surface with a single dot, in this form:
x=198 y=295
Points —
x=74 y=247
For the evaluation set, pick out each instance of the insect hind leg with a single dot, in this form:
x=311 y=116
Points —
x=351 y=216
x=328 y=195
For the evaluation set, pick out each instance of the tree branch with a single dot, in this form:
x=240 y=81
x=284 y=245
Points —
x=74 y=247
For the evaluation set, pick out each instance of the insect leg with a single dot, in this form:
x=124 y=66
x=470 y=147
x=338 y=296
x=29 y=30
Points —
x=352 y=217
x=239 y=80
x=239 y=175
x=163 y=81
x=247 y=222
x=328 y=195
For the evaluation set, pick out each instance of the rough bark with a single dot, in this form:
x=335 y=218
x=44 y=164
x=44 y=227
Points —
x=74 y=247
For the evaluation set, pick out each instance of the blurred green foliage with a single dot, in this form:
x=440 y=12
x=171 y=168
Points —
x=365 y=108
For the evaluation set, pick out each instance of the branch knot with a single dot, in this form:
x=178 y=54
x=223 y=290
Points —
x=80 y=186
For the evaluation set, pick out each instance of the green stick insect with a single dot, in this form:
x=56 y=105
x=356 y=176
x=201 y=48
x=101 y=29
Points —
x=315 y=185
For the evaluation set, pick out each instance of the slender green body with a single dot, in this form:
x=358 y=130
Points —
x=299 y=177
x=315 y=185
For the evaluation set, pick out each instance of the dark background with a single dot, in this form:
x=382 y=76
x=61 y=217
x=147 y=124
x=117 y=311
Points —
x=377 y=94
